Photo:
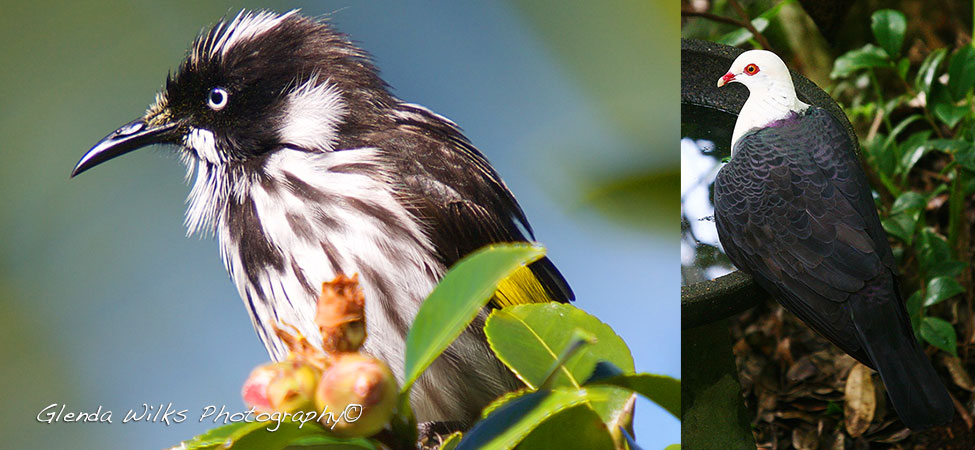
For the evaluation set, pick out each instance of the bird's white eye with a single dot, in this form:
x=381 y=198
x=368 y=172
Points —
x=217 y=98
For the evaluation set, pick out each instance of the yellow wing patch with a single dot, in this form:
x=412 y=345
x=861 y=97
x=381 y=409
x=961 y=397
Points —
x=519 y=288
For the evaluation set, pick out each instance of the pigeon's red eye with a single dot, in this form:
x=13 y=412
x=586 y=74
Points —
x=751 y=69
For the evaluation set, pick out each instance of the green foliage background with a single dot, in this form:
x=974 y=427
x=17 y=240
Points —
x=105 y=302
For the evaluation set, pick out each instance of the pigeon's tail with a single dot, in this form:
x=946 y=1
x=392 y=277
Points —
x=915 y=389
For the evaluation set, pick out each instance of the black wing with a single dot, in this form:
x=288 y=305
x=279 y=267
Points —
x=454 y=191
x=794 y=209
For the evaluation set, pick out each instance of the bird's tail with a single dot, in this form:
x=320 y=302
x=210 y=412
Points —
x=915 y=389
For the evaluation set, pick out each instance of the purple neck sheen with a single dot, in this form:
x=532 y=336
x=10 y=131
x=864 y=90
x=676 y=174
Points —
x=790 y=118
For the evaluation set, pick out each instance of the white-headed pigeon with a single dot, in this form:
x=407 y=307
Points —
x=793 y=209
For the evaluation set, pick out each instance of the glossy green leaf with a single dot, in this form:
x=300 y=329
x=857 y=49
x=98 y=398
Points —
x=914 y=310
x=902 y=67
x=504 y=398
x=255 y=435
x=961 y=72
x=882 y=154
x=965 y=156
x=950 y=146
x=512 y=421
x=888 y=28
x=579 y=339
x=945 y=109
x=575 y=427
x=868 y=56
x=901 y=127
x=742 y=35
x=529 y=339
x=950 y=114
x=940 y=289
x=900 y=226
x=934 y=256
x=939 y=333
x=462 y=292
x=912 y=149
x=660 y=389
x=452 y=441
x=909 y=201
x=928 y=71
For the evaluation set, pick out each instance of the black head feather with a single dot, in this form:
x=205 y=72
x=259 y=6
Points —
x=259 y=58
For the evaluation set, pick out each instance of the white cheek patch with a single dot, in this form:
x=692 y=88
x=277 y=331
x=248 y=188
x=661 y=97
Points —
x=312 y=115
x=204 y=144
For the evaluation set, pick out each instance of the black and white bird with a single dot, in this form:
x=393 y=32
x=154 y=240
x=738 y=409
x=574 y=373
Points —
x=793 y=209
x=306 y=166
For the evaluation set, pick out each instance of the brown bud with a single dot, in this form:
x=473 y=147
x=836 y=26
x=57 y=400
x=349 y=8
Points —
x=341 y=315
x=361 y=392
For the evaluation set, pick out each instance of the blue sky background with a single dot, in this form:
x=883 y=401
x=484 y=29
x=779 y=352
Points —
x=106 y=302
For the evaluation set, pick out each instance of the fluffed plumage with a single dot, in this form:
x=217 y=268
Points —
x=794 y=209
x=307 y=167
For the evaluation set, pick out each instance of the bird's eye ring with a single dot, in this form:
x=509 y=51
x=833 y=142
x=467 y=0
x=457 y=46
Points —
x=217 y=98
x=751 y=69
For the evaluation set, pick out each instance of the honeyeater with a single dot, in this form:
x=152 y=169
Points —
x=793 y=208
x=306 y=166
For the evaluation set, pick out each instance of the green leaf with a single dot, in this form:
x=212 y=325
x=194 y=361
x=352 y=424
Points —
x=928 y=71
x=464 y=290
x=529 y=339
x=452 y=441
x=909 y=201
x=579 y=339
x=915 y=310
x=900 y=226
x=673 y=447
x=900 y=127
x=255 y=435
x=503 y=399
x=934 y=256
x=864 y=57
x=941 y=289
x=888 y=27
x=742 y=35
x=950 y=114
x=660 y=389
x=961 y=72
x=950 y=146
x=575 y=427
x=881 y=155
x=939 y=333
x=965 y=156
x=944 y=107
x=511 y=422
x=902 y=67
x=912 y=149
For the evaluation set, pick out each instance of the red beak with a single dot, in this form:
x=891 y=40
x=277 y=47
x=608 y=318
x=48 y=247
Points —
x=727 y=78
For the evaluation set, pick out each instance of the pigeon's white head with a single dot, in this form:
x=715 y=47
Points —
x=772 y=96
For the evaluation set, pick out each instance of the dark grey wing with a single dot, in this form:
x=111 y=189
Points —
x=794 y=209
x=453 y=190
x=836 y=156
x=791 y=211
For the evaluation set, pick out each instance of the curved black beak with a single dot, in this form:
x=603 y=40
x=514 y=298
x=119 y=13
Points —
x=131 y=136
